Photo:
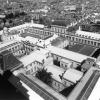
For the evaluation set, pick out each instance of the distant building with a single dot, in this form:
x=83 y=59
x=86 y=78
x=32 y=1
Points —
x=70 y=7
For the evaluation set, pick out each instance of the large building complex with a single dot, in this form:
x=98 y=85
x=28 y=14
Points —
x=35 y=47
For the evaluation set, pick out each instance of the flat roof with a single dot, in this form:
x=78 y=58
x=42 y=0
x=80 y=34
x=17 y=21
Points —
x=68 y=54
x=37 y=55
x=73 y=75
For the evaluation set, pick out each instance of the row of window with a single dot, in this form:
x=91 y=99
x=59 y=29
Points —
x=34 y=30
x=84 y=41
x=89 y=37
x=58 y=29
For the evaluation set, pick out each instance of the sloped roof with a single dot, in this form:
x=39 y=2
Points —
x=10 y=61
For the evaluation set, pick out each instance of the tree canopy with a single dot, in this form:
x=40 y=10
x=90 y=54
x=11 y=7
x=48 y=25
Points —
x=44 y=76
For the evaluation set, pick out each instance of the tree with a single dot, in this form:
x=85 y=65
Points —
x=44 y=76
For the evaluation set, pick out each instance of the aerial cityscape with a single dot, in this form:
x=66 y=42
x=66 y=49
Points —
x=50 y=49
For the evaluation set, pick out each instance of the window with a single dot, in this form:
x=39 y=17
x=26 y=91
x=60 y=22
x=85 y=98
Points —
x=85 y=41
x=94 y=43
x=79 y=40
x=98 y=44
x=88 y=42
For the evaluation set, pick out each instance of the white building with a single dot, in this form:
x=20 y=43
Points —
x=35 y=60
x=59 y=53
x=72 y=76
x=64 y=63
x=10 y=45
x=91 y=35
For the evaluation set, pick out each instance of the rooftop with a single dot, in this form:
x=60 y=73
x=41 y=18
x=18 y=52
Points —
x=27 y=25
x=10 y=61
x=68 y=54
x=38 y=55
x=4 y=44
x=73 y=75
